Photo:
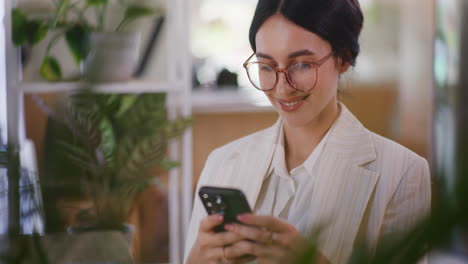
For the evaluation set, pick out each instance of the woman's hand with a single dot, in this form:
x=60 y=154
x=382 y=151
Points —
x=210 y=247
x=270 y=239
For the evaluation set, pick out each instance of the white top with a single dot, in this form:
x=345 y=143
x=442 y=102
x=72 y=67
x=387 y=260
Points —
x=287 y=194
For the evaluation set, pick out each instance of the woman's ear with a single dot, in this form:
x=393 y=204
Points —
x=343 y=67
x=340 y=66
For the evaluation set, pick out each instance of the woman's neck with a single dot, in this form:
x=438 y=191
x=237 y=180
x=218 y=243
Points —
x=301 y=141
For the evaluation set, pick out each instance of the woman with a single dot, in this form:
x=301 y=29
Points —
x=317 y=166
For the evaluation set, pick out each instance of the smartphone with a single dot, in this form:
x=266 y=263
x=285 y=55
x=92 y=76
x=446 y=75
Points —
x=225 y=201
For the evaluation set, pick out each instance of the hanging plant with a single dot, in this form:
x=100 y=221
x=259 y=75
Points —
x=70 y=21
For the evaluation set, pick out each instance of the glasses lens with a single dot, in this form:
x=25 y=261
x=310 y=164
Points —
x=262 y=76
x=303 y=76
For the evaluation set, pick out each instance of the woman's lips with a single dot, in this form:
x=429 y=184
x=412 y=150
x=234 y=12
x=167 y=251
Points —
x=291 y=104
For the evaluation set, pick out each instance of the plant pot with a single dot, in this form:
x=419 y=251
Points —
x=127 y=231
x=104 y=246
x=113 y=56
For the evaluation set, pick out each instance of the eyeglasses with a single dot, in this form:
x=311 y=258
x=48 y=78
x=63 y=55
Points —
x=302 y=76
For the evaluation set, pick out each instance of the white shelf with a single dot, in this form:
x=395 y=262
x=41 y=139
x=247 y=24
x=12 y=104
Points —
x=175 y=60
x=225 y=101
x=120 y=87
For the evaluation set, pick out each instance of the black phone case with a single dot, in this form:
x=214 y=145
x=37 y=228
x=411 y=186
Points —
x=225 y=201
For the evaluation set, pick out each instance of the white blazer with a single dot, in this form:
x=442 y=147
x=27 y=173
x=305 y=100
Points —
x=366 y=186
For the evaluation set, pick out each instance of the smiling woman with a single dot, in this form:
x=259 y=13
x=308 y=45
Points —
x=318 y=166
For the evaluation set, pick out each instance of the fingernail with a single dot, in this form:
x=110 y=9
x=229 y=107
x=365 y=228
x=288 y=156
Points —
x=219 y=218
x=229 y=227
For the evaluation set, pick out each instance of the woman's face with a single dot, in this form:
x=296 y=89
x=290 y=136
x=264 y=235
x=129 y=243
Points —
x=278 y=42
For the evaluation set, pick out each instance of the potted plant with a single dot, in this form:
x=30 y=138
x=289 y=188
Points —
x=86 y=28
x=112 y=140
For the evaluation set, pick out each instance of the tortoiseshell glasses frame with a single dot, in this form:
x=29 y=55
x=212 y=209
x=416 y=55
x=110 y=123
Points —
x=313 y=65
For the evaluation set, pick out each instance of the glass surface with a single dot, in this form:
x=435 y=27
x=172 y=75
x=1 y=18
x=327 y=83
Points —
x=3 y=120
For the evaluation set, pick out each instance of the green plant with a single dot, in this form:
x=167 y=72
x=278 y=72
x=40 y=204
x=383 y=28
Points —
x=115 y=140
x=73 y=20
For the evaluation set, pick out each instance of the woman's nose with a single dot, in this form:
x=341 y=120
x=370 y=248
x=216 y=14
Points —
x=283 y=87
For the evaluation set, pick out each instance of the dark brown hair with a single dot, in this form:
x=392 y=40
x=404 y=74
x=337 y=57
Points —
x=337 y=21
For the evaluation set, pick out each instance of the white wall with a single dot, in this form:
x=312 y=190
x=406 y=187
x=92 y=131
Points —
x=417 y=28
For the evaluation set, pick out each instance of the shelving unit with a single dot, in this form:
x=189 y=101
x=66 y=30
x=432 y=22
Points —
x=228 y=101
x=177 y=85
x=127 y=87
x=178 y=88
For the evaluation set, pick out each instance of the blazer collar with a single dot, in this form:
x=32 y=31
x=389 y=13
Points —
x=347 y=137
x=350 y=138
x=252 y=162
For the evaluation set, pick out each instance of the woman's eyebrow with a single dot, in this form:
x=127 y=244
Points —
x=263 y=55
x=300 y=53
x=292 y=55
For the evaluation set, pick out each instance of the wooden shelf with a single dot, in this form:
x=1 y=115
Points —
x=120 y=87
x=223 y=101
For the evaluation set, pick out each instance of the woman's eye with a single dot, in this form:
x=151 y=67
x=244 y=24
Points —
x=303 y=66
x=265 y=68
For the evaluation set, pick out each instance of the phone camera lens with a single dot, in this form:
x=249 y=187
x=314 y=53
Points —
x=219 y=200
x=209 y=204
x=205 y=196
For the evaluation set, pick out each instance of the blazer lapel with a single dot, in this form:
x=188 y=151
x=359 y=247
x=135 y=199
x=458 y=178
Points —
x=343 y=186
x=250 y=168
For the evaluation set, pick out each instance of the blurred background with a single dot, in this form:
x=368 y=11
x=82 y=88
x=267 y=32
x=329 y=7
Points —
x=406 y=86
x=390 y=90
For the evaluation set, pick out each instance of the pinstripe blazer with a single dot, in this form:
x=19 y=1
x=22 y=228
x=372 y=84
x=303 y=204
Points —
x=366 y=186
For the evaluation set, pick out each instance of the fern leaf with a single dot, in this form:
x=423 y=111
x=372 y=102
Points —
x=144 y=155
x=147 y=108
x=151 y=150
x=108 y=141
x=80 y=157
x=169 y=164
